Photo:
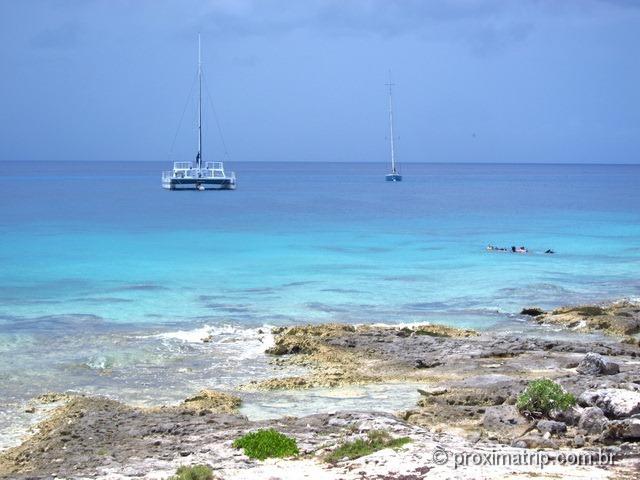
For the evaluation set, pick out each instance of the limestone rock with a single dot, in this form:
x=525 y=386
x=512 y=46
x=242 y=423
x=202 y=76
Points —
x=614 y=402
x=505 y=420
x=218 y=402
x=534 y=441
x=617 y=318
x=592 y=420
x=627 y=429
x=551 y=426
x=427 y=363
x=596 y=364
x=432 y=391
x=570 y=416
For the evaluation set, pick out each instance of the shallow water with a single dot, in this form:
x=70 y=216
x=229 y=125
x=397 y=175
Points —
x=108 y=283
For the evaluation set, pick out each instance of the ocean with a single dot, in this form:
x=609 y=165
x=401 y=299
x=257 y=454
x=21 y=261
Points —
x=108 y=283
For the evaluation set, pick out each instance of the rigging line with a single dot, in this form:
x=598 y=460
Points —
x=215 y=116
x=184 y=110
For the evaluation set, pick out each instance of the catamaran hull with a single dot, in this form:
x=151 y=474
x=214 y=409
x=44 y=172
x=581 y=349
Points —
x=199 y=184
x=393 y=177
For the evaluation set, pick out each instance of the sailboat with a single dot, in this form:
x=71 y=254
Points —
x=394 y=176
x=201 y=176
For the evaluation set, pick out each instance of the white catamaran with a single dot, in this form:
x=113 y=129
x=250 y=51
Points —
x=207 y=176
x=394 y=176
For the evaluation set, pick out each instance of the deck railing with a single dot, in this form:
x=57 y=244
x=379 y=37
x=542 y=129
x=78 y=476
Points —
x=182 y=165
x=186 y=170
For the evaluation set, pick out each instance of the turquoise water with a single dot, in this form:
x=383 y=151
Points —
x=108 y=283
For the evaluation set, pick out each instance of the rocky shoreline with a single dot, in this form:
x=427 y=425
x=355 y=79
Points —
x=470 y=382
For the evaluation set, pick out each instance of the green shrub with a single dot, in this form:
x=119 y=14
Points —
x=543 y=395
x=376 y=440
x=267 y=443
x=197 y=472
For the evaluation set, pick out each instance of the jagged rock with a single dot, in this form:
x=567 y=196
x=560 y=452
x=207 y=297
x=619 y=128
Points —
x=52 y=397
x=596 y=364
x=443 y=331
x=219 y=402
x=285 y=383
x=551 y=426
x=532 y=311
x=592 y=420
x=570 y=416
x=614 y=402
x=305 y=339
x=627 y=429
x=617 y=318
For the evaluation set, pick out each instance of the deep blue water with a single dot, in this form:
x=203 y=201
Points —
x=96 y=260
x=305 y=241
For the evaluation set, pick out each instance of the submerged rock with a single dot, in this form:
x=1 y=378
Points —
x=596 y=364
x=532 y=311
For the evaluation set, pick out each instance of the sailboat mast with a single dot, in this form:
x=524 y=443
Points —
x=393 y=157
x=199 y=103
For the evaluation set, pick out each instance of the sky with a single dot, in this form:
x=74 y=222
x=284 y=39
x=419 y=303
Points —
x=549 y=81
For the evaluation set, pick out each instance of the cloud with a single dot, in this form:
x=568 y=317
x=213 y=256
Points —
x=382 y=17
x=485 y=25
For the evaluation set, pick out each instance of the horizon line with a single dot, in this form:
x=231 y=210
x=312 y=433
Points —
x=330 y=161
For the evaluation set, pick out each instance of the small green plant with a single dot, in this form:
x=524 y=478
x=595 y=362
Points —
x=376 y=440
x=543 y=395
x=196 y=472
x=267 y=443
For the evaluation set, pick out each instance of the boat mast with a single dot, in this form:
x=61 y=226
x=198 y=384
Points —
x=199 y=157
x=393 y=158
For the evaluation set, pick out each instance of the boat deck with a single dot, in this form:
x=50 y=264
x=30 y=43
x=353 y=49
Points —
x=185 y=176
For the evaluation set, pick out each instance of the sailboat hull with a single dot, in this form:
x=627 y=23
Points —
x=393 y=177
x=199 y=183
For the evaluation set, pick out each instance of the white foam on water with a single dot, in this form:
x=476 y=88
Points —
x=245 y=343
x=214 y=333
x=16 y=424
